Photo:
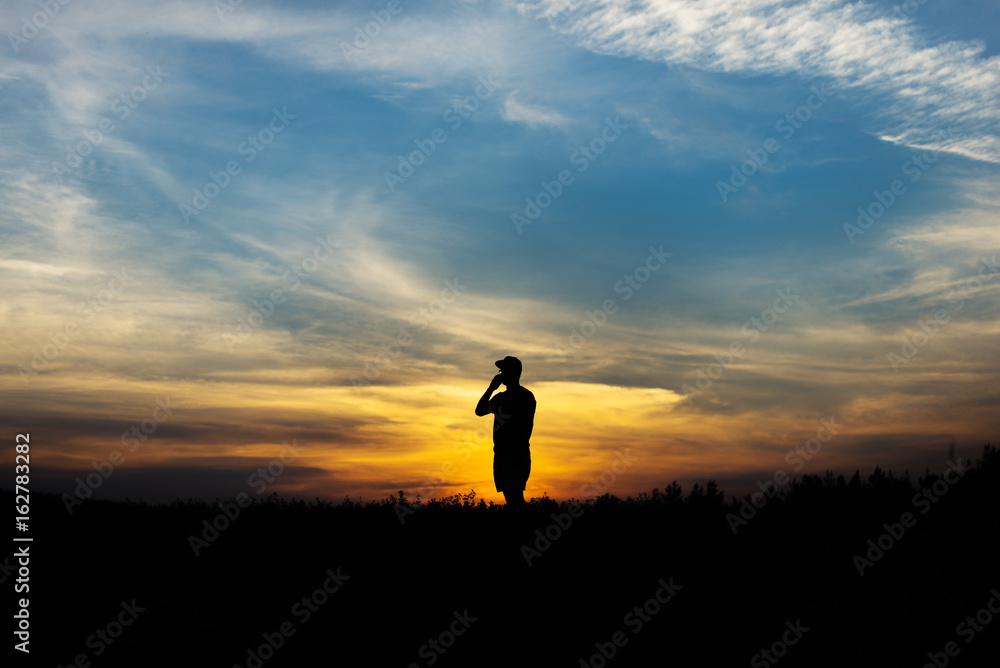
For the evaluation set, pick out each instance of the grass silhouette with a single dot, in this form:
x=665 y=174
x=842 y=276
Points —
x=410 y=583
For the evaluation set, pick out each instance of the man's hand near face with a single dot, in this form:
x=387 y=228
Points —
x=483 y=407
x=497 y=380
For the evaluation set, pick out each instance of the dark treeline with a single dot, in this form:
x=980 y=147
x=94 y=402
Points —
x=827 y=571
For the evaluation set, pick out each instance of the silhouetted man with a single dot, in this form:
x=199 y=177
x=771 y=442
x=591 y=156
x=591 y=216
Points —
x=514 y=411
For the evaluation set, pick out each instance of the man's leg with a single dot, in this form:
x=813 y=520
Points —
x=522 y=469
x=514 y=498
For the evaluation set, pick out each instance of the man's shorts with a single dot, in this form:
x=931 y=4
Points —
x=511 y=469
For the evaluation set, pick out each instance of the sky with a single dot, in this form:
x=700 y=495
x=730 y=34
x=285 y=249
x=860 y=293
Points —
x=276 y=247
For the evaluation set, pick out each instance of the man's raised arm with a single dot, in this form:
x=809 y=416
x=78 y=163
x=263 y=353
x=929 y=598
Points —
x=483 y=407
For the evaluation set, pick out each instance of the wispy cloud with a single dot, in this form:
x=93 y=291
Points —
x=915 y=88
x=515 y=111
x=564 y=68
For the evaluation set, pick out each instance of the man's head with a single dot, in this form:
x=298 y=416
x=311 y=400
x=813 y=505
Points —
x=510 y=370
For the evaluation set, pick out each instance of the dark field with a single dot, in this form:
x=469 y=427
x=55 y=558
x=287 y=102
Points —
x=661 y=580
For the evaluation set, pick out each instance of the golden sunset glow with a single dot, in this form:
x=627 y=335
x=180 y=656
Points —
x=699 y=246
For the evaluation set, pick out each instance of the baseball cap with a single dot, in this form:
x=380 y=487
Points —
x=509 y=363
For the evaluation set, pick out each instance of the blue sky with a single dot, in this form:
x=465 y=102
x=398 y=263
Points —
x=685 y=91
